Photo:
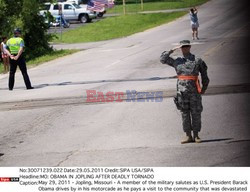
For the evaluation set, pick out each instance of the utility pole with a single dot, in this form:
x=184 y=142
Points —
x=61 y=14
x=142 y=5
x=124 y=7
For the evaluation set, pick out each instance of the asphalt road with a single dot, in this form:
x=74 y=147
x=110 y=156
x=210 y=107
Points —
x=53 y=125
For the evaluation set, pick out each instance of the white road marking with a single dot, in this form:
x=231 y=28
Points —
x=121 y=48
x=114 y=63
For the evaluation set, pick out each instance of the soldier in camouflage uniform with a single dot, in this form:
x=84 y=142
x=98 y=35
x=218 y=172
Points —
x=188 y=99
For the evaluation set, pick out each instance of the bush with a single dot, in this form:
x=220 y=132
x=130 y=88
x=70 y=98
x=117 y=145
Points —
x=24 y=14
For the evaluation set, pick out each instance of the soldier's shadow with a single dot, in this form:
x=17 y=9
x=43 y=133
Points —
x=216 y=140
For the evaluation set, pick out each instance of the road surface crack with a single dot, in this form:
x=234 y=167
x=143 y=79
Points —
x=71 y=153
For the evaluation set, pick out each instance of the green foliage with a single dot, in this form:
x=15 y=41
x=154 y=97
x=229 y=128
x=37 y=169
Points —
x=34 y=30
x=9 y=16
x=24 y=14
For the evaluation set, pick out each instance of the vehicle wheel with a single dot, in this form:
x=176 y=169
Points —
x=84 y=18
x=100 y=14
x=67 y=25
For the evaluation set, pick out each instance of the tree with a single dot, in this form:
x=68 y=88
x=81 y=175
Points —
x=24 y=14
x=2 y=17
x=35 y=29
x=9 y=15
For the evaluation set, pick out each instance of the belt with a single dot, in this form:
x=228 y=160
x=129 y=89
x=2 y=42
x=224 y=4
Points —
x=190 y=77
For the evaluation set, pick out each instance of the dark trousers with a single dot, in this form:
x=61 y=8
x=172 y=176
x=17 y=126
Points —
x=22 y=66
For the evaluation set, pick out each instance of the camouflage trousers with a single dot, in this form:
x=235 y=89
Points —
x=190 y=105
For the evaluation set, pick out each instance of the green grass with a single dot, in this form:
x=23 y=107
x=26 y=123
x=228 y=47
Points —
x=45 y=58
x=152 y=6
x=116 y=27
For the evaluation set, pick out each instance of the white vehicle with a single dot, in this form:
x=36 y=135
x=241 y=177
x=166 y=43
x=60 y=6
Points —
x=70 y=11
x=73 y=1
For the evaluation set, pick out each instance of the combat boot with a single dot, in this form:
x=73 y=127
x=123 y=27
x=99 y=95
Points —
x=197 y=138
x=187 y=139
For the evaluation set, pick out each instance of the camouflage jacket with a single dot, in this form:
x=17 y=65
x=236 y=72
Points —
x=188 y=65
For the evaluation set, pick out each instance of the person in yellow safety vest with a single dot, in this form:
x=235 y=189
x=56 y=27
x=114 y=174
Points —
x=15 y=48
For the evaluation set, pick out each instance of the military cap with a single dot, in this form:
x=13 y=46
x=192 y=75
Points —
x=185 y=43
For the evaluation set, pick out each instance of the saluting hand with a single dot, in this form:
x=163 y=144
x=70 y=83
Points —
x=174 y=49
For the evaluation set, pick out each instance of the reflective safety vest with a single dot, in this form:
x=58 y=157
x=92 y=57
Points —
x=14 y=44
x=190 y=77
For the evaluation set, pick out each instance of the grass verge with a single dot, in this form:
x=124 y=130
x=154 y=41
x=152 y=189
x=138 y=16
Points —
x=116 y=27
x=153 y=6
x=45 y=58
